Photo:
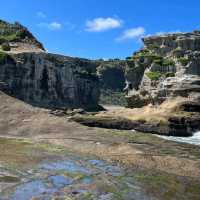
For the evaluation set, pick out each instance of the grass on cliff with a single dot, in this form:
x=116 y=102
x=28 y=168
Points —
x=164 y=62
x=10 y=32
x=184 y=61
x=154 y=76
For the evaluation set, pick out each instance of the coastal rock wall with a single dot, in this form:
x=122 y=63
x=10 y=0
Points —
x=50 y=80
x=169 y=66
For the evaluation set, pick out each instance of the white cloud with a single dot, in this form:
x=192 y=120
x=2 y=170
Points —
x=103 y=24
x=41 y=15
x=51 y=26
x=133 y=33
x=55 y=26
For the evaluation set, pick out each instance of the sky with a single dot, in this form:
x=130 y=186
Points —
x=100 y=28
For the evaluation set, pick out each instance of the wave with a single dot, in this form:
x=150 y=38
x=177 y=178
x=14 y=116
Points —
x=195 y=139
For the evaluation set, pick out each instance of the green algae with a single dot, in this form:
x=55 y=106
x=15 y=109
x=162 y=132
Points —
x=22 y=153
x=9 y=179
x=168 y=186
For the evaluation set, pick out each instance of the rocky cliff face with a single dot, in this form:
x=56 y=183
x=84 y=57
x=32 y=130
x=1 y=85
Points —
x=49 y=80
x=111 y=74
x=167 y=66
x=43 y=79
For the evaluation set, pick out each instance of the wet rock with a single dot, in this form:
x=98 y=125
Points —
x=67 y=112
x=175 y=126
x=184 y=126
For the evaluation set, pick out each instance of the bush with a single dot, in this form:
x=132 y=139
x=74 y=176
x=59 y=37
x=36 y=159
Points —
x=184 y=61
x=163 y=62
x=178 y=52
x=154 y=76
x=2 y=40
x=153 y=46
x=168 y=62
x=145 y=54
x=21 y=34
x=158 y=62
x=5 y=47
x=128 y=58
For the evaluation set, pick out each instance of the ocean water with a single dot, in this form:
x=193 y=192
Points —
x=195 y=139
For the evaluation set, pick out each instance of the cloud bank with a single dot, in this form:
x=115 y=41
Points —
x=103 y=24
x=51 y=26
x=133 y=33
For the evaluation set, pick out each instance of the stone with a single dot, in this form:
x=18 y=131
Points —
x=173 y=69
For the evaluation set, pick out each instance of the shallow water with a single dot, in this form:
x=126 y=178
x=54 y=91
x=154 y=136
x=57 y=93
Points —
x=75 y=178
x=195 y=139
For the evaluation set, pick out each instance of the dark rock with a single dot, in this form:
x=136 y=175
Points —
x=176 y=126
x=184 y=126
x=49 y=80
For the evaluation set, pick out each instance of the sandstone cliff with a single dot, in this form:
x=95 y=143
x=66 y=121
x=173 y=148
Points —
x=168 y=66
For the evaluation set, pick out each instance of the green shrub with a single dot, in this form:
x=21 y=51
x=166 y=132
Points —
x=154 y=76
x=5 y=47
x=145 y=51
x=128 y=58
x=177 y=50
x=21 y=34
x=2 y=40
x=145 y=54
x=168 y=62
x=158 y=61
x=153 y=46
x=184 y=61
x=163 y=62
x=9 y=37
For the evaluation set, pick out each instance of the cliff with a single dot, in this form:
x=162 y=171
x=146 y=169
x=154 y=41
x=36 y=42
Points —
x=44 y=79
x=168 y=66
x=111 y=75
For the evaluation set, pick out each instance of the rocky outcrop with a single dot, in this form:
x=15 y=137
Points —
x=18 y=38
x=50 y=80
x=180 y=126
x=168 y=66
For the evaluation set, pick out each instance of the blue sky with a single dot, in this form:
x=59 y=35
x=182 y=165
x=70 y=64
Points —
x=100 y=28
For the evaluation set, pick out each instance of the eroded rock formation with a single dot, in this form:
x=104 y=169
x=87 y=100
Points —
x=167 y=66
